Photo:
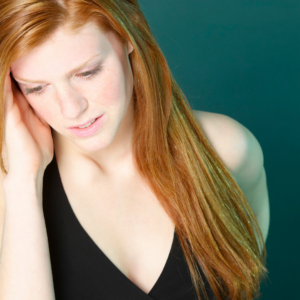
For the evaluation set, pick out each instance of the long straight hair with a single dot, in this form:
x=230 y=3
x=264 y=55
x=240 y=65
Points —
x=216 y=227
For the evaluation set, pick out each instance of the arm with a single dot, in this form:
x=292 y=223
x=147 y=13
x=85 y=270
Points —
x=25 y=269
x=258 y=199
x=250 y=175
x=242 y=154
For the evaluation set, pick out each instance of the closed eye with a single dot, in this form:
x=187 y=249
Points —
x=85 y=75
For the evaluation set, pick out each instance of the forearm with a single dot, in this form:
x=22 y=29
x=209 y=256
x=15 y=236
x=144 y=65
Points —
x=25 y=269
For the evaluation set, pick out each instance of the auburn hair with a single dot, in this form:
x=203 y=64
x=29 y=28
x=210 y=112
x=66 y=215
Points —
x=215 y=225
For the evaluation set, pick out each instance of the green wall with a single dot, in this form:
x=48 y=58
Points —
x=242 y=59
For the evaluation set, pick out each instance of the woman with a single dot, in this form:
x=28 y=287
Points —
x=139 y=204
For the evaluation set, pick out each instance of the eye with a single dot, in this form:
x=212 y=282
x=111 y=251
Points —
x=85 y=75
x=92 y=73
x=33 y=91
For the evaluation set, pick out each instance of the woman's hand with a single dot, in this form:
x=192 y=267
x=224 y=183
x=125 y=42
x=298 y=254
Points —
x=28 y=139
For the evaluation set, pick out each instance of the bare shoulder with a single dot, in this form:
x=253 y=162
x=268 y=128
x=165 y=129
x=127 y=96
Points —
x=235 y=144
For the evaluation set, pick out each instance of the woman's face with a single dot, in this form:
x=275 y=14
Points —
x=66 y=99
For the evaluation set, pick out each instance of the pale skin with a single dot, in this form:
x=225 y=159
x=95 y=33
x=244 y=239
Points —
x=112 y=203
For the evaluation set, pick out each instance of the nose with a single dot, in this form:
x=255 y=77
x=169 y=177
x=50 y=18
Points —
x=72 y=102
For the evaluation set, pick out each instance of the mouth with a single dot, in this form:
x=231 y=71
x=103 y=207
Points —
x=86 y=124
x=89 y=129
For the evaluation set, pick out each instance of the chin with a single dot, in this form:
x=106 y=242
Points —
x=93 y=144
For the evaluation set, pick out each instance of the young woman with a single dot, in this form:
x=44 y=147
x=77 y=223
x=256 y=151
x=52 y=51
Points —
x=114 y=188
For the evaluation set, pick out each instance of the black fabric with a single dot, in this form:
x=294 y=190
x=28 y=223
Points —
x=81 y=271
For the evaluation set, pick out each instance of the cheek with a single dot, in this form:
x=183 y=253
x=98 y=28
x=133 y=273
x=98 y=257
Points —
x=36 y=109
x=112 y=90
x=42 y=112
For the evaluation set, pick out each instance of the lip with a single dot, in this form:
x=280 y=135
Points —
x=90 y=130
x=84 y=123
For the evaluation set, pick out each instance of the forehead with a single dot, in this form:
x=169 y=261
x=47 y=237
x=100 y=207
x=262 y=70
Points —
x=64 y=49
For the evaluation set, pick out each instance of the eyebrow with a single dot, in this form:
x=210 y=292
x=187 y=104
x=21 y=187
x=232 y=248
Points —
x=68 y=74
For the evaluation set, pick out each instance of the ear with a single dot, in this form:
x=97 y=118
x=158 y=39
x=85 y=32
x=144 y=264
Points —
x=129 y=47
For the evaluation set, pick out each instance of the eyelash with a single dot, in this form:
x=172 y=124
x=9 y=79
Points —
x=92 y=74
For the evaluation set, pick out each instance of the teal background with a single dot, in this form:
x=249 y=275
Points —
x=242 y=59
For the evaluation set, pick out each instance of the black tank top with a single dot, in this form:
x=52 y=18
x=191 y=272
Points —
x=81 y=271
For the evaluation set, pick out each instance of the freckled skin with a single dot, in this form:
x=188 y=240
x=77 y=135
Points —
x=69 y=101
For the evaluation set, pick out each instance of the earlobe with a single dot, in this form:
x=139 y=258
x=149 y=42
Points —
x=129 y=47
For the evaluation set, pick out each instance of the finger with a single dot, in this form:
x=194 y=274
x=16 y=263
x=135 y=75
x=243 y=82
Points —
x=14 y=86
x=43 y=121
x=7 y=93
x=18 y=95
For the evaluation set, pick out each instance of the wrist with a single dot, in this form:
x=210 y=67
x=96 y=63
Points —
x=14 y=179
x=23 y=184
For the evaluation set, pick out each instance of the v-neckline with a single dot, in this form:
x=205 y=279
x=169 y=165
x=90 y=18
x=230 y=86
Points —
x=126 y=279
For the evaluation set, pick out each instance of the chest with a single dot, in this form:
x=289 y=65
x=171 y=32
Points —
x=126 y=221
